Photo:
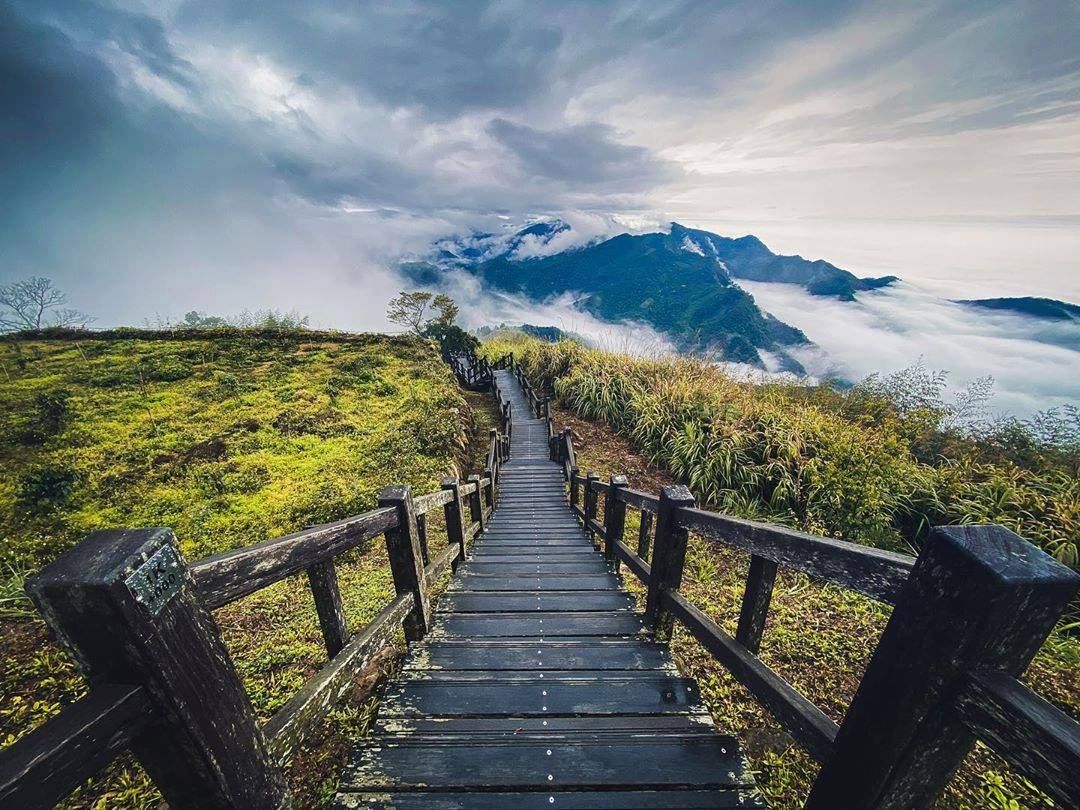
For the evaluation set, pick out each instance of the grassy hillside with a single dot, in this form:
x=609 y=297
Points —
x=845 y=465
x=228 y=437
x=878 y=464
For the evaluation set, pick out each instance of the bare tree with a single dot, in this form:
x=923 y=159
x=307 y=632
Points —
x=35 y=302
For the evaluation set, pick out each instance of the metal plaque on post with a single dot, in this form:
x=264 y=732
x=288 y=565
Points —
x=157 y=580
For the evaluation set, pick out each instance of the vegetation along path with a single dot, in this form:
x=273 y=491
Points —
x=538 y=685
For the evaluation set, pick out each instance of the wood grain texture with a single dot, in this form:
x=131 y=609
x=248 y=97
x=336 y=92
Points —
x=228 y=576
x=322 y=577
x=303 y=713
x=875 y=573
x=204 y=748
x=1033 y=736
x=54 y=759
x=979 y=597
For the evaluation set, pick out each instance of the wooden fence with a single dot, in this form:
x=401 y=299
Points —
x=968 y=616
x=137 y=620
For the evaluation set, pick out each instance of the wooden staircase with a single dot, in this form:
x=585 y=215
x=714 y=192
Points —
x=539 y=684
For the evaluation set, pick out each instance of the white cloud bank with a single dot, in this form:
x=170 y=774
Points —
x=891 y=329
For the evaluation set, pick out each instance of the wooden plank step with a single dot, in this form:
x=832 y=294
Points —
x=481 y=625
x=546 y=800
x=627 y=655
x=710 y=762
x=667 y=695
x=570 y=582
x=529 y=675
x=549 y=566
x=544 y=728
x=502 y=602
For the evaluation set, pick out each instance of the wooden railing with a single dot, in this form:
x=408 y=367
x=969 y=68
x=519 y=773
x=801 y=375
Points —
x=137 y=620
x=969 y=614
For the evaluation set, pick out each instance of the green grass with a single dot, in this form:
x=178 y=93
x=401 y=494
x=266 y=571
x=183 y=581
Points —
x=818 y=637
x=229 y=438
x=874 y=466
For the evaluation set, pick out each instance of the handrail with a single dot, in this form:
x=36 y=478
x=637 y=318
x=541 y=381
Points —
x=870 y=571
x=44 y=766
x=228 y=576
x=1035 y=737
x=810 y=726
x=1011 y=595
x=159 y=629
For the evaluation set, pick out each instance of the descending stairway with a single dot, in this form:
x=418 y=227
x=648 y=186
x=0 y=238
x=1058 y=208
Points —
x=538 y=685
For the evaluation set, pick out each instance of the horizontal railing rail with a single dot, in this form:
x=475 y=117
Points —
x=67 y=750
x=136 y=618
x=970 y=612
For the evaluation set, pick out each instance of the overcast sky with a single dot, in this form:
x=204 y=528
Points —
x=162 y=156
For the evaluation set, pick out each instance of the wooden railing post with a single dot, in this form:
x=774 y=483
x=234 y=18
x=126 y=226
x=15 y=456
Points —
x=421 y=535
x=669 y=555
x=643 y=535
x=454 y=513
x=406 y=559
x=476 y=503
x=575 y=497
x=489 y=474
x=493 y=456
x=322 y=577
x=124 y=604
x=755 y=603
x=979 y=597
x=591 y=502
x=614 y=518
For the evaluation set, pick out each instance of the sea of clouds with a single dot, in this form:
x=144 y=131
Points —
x=1035 y=363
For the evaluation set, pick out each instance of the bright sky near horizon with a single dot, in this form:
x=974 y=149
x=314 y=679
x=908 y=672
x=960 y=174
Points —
x=157 y=157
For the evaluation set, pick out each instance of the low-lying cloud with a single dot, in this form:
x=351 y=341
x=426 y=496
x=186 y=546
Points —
x=888 y=330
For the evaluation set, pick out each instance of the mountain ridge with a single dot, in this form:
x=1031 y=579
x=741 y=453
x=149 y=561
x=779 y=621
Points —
x=682 y=282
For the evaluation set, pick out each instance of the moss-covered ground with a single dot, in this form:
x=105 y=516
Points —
x=229 y=438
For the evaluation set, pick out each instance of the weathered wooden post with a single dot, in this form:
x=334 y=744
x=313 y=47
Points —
x=476 y=503
x=125 y=605
x=492 y=471
x=614 y=518
x=406 y=559
x=591 y=502
x=643 y=535
x=454 y=512
x=755 y=604
x=574 y=492
x=421 y=534
x=669 y=555
x=322 y=577
x=978 y=598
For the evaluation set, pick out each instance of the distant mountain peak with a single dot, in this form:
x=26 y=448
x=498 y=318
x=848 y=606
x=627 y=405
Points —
x=1045 y=308
x=530 y=241
x=682 y=281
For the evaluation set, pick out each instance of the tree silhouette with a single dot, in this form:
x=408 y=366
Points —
x=34 y=303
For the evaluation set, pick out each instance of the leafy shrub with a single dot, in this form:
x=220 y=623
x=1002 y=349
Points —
x=43 y=488
x=49 y=415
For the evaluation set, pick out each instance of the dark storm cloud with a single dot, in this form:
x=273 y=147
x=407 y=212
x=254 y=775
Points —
x=587 y=153
x=52 y=96
x=217 y=145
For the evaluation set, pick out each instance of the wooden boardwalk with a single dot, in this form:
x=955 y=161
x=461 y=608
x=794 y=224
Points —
x=539 y=685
